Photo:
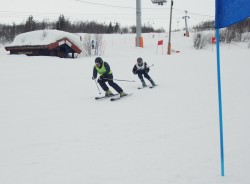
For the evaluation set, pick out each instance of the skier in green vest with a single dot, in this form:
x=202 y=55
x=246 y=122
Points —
x=103 y=69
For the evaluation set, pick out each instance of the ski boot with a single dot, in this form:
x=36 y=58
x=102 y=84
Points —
x=152 y=82
x=108 y=93
x=122 y=94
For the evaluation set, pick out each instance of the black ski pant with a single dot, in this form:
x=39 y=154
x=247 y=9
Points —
x=110 y=81
x=143 y=72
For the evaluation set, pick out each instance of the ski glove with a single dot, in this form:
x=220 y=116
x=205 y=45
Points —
x=135 y=72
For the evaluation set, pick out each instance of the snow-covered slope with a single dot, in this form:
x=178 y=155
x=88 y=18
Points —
x=53 y=131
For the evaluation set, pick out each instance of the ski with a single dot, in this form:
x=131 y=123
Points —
x=142 y=87
x=118 y=98
x=147 y=87
x=152 y=86
x=103 y=97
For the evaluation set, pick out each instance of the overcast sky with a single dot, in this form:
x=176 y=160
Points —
x=106 y=11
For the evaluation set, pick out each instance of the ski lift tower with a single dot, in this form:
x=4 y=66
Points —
x=138 y=24
x=186 y=28
x=161 y=2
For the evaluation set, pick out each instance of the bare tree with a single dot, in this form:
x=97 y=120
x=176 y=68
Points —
x=99 y=44
x=201 y=40
x=86 y=46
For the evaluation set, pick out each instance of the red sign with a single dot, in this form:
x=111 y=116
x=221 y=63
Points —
x=160 y=42
x=213 y=40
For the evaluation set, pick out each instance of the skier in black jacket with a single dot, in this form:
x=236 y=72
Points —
x=103 y=69
x=142 y=69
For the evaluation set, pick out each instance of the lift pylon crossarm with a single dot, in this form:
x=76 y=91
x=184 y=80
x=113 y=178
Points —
x=159 y=2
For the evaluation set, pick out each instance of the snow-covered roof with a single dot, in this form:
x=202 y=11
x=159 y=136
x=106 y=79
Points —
x=43 y=37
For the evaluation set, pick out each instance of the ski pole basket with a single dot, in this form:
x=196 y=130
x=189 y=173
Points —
x=159 y=2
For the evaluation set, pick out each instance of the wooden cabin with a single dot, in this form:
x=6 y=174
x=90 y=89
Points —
x=63 y=48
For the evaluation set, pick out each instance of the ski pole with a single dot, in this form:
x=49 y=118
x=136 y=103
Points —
x=97 y=87
x=151 y=65
x=120 y=80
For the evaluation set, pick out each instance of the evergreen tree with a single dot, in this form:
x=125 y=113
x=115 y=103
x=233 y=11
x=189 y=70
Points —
x=61 y=24
x=117 y=28
x=110 y=29
x=30 y=24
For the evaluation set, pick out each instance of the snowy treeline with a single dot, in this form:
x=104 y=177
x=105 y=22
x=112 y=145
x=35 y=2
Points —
x=8 y=32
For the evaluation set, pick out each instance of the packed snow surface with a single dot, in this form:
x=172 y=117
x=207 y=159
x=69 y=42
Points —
x=53 y=131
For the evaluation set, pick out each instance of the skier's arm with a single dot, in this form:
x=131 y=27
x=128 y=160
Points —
x=94 y=73
x=135 y=70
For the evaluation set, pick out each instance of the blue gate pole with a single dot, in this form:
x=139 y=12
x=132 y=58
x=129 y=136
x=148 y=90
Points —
x=220 y=101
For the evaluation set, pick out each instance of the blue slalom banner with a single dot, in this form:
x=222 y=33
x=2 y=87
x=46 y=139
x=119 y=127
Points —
x=228 y=12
